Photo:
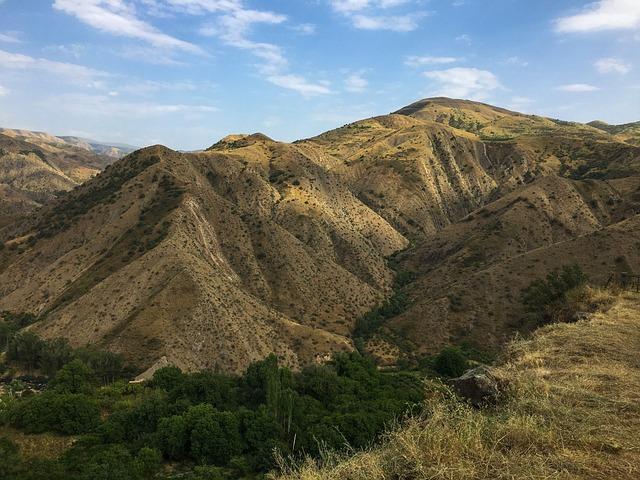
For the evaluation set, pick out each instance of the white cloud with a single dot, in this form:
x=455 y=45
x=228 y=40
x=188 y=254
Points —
x=299 y=84
x=602 y=15
x=234 y=27
x=518 y=102
x=305 y=29
x=75 y=50
x=101 y=105
x=3 y=91
x=119 y=18
x=355 y=83
x=373 y=14
x=464 y=38
x=578 y=88
x=516 y=61
x=400 y=23
x=421 y=61
x=71 y=71
x=612 y=65
x=469 y=83
x=10 y=37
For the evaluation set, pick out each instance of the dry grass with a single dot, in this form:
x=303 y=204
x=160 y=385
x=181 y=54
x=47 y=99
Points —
x=571 y=411
x=43 y=445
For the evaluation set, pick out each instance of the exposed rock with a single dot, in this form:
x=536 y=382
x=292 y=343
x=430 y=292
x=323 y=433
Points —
x=479 y=386
x=578 y=316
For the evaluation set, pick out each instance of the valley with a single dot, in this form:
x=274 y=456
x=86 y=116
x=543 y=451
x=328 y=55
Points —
x=255 y=246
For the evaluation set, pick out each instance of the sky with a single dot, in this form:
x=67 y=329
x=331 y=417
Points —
x=185 y=73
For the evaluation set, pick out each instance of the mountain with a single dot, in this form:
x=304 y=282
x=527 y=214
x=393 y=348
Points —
x=215 y=259
x=48 y=141
x=113 y=150
x=36 y=167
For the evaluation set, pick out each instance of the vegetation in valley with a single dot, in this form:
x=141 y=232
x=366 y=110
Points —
x=204 y=425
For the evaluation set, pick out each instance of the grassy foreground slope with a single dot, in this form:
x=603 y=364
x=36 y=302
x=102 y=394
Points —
x=571 y=411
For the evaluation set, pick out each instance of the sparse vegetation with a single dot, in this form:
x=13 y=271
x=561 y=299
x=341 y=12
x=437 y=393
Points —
x=568 y=411
x=546 y=300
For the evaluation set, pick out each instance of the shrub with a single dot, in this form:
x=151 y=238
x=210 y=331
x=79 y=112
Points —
x=450 y=362
x=543 y=299
x=68 y=414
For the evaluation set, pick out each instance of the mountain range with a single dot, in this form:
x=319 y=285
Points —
x=217 y=258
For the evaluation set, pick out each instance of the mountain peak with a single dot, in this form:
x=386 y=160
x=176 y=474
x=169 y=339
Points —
x=241 y=140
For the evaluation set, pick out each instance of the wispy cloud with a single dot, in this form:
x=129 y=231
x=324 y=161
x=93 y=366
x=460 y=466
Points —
x=602 y=15
x=119 y=18
x=10 y=37
x=578 y=88
x=421 y=61
x=612 y=65
x=100 y=105
x=3 y=91
x=377 y=15
x=356 y=83
x=234 y=27
x=518 y=102
x=516 y=61
x=305 y=29
x=299 y=84
x=470 y=83
x=464 y=39
x=71 y=71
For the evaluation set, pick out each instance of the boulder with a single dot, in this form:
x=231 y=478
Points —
x=479 y=386
x=579 y=316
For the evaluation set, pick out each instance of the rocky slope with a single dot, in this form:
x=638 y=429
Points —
x=31 y=174
x=214 y=259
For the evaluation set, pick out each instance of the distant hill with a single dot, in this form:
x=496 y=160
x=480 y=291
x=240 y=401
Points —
x=114 y=150
x=34 y=172
x=628 y=132
x=216 y=258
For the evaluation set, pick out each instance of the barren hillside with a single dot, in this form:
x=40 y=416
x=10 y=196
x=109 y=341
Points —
x=215 y=259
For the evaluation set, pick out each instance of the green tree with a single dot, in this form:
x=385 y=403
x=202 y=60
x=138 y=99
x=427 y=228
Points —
x=25 y=348
x=148 y=463
x=74 y=377
x=450 y=362
x=173 y=437
x=54 y=355
x=215 y=436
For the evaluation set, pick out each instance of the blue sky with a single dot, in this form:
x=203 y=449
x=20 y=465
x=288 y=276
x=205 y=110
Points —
x=185 y=73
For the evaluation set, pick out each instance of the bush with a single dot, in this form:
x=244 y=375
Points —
x=68 y=414
x=544 y=299
x=450 y=362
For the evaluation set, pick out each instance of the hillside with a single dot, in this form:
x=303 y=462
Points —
x=570 y=411
x=52 y=142
x=116 y=150
x=35 y=168
x=215 y=259
x=629 y=132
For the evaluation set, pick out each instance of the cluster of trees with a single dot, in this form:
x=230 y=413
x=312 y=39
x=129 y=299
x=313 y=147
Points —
x=46 y=357
x=214 y=426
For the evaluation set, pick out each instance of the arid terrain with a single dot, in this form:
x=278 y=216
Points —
x=36 y=167
x=215 y=259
